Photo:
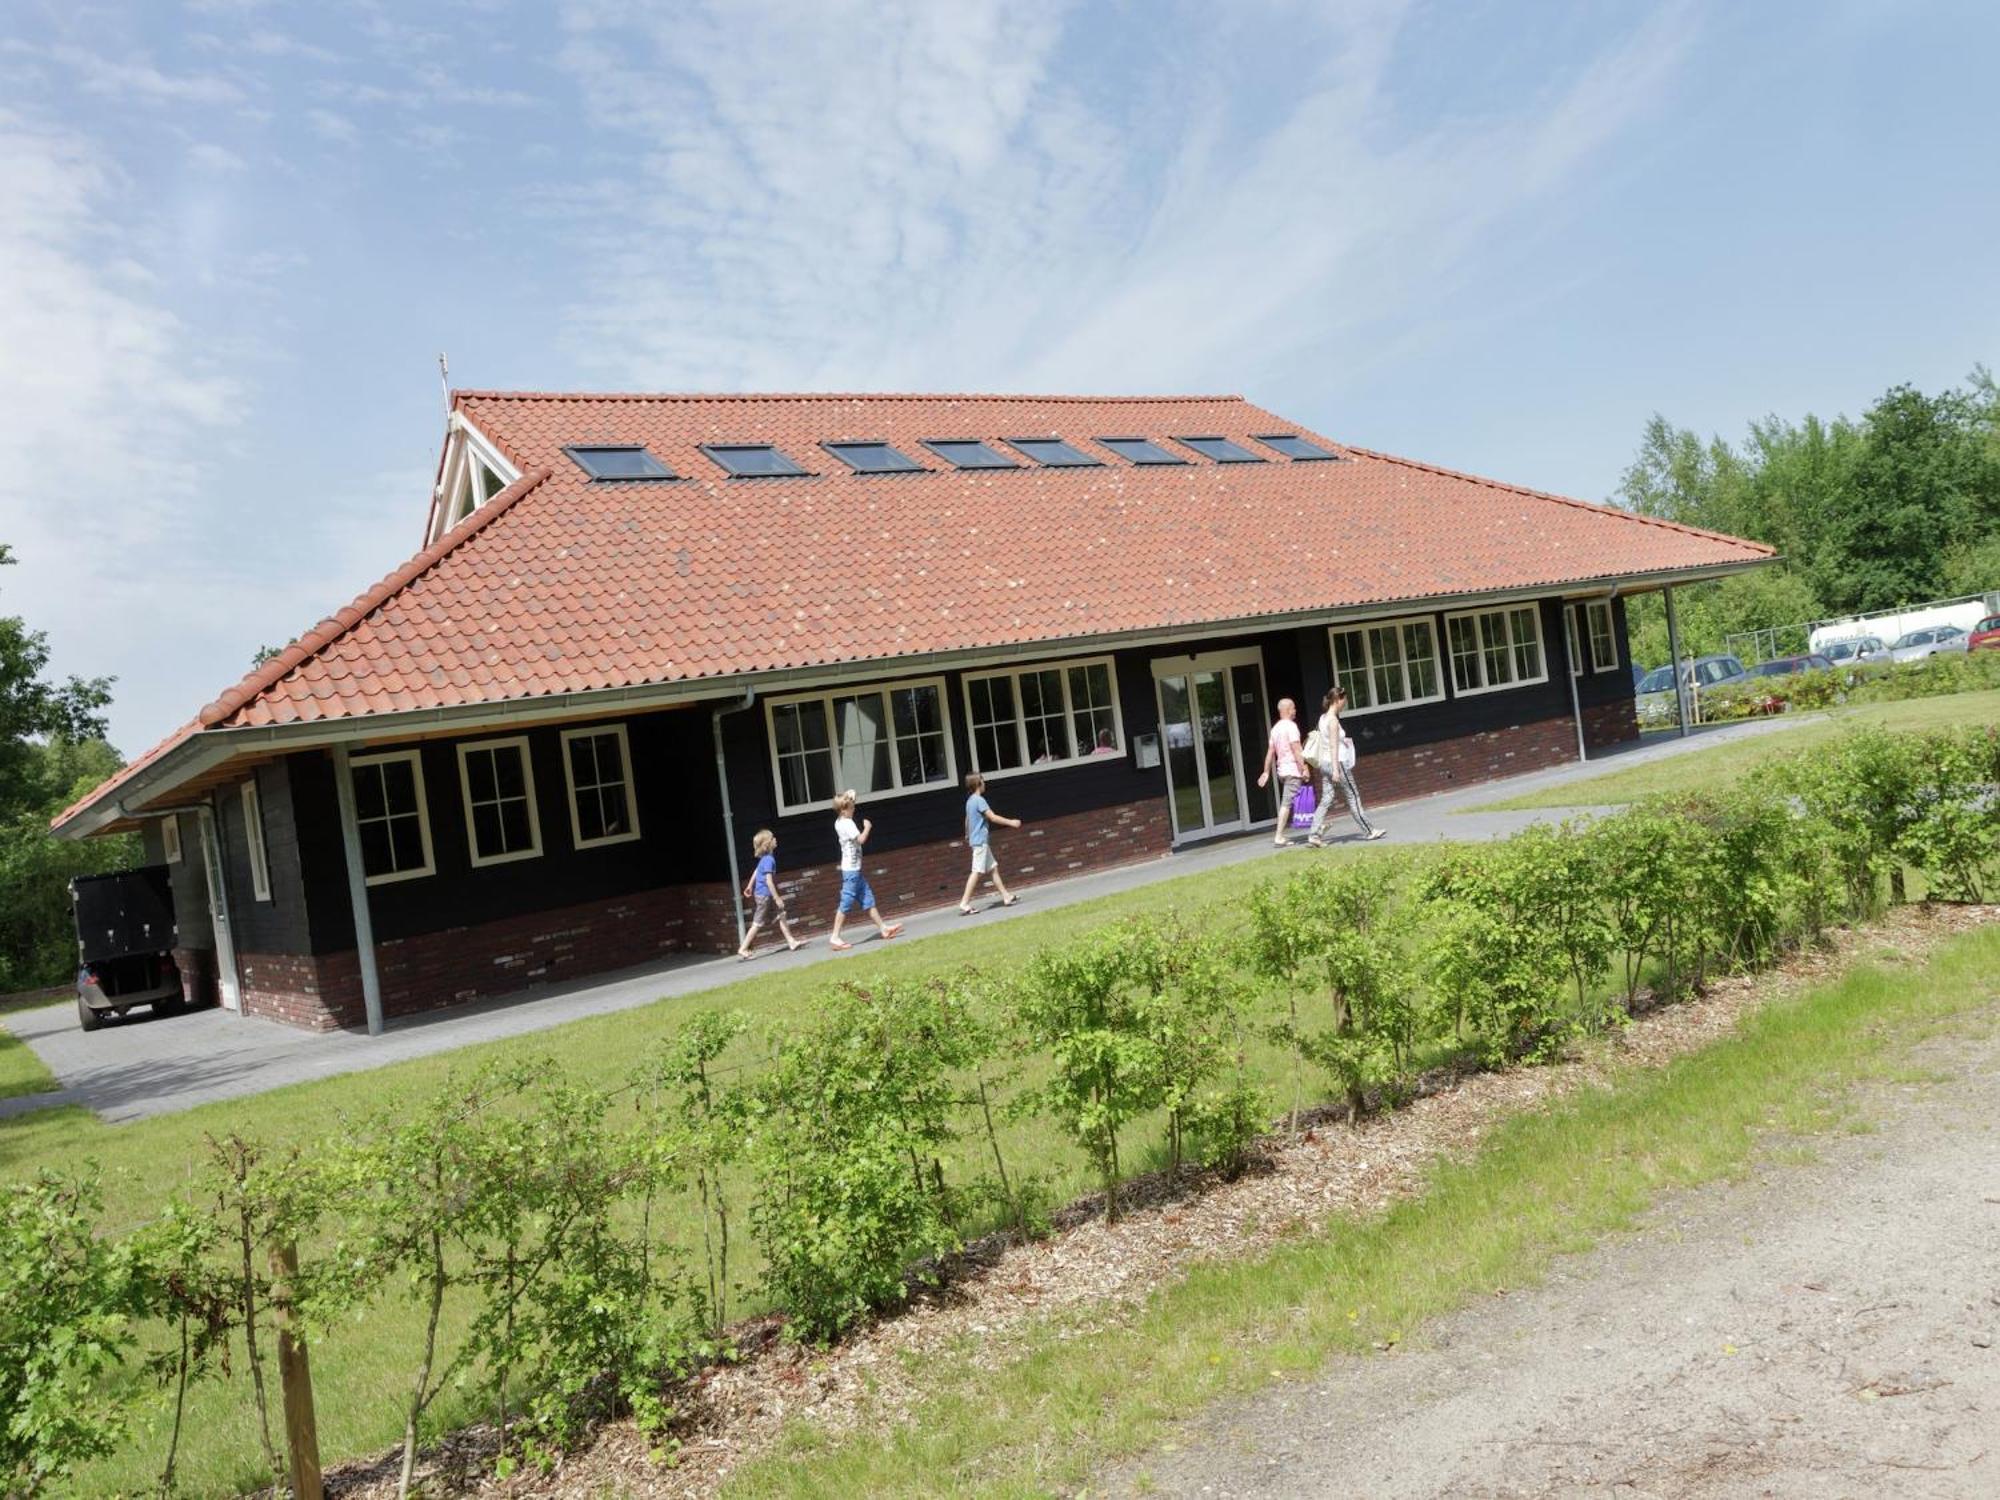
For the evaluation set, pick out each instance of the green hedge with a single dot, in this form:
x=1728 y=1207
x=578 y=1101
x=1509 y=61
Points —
x=536 y=1198
x=1934 y=676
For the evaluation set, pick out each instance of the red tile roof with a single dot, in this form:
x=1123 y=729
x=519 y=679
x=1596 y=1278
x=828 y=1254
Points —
x=561 y=585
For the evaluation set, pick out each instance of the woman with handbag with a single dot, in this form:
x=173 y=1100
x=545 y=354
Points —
x=1335 y=767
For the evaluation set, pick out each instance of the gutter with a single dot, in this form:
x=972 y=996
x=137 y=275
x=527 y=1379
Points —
x=213 y=746
x=715 y=719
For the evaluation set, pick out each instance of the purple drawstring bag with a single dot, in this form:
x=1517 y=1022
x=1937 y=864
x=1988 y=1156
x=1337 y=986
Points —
x=1303 y=807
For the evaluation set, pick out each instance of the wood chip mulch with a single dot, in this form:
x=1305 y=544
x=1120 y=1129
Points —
x=1092 y=1273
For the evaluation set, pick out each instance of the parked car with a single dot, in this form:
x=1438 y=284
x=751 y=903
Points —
x=1638 y=676
x=1985 y=633
x=125 y=934
x=1918 y=644
x=1655 y=693
x=1855 y=650
x=1785 y=666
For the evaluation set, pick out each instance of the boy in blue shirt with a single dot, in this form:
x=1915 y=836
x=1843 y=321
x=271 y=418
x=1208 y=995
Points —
x=763 y=887
x=978 y=815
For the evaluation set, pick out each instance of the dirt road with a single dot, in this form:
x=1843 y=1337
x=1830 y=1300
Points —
x=1819 y=1330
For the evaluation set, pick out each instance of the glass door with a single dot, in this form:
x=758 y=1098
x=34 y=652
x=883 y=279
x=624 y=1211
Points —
x=1203 y=736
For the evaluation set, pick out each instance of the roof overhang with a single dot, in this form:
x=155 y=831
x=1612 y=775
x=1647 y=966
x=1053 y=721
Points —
x=208 y=751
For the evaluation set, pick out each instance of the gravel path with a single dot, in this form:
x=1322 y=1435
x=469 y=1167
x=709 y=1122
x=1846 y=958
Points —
x=1814 y=1331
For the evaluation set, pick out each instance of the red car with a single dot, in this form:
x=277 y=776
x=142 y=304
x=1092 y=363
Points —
x=1985 y=633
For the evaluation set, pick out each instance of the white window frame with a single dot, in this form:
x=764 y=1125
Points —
x=1506 y=613
x=1076 y=757
x=534 y=850
x=416 y=763
x=1440 y=662
x=1591 y=607
x=253 y=840
x=458 y=489
x=594 y=732
x=824 y=697
x=170 y=838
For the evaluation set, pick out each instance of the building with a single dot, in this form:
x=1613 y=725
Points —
x=641 y=627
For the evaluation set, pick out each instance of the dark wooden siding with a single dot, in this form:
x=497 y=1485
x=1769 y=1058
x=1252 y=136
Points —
x=190 y=884
x=279 y=925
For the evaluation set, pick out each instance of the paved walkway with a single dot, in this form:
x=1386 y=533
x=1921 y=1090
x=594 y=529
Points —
x=145 y=1066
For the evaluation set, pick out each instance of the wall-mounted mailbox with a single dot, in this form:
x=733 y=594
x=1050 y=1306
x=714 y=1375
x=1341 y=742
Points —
x=1146 y=751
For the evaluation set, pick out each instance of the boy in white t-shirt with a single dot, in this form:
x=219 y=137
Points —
x=854 y=889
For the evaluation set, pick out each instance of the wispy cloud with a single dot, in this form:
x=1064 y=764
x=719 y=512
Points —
x=333 y=127
x=915 y=195
x=109 y=400
x=137 y=78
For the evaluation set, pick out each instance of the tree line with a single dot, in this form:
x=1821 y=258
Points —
x=1899 y=507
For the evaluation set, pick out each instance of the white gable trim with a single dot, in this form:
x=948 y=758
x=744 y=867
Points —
x=458 y=493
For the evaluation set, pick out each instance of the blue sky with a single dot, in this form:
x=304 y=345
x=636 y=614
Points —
x=1495 y=237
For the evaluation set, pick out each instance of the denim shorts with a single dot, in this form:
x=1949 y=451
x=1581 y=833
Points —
x=854 y=892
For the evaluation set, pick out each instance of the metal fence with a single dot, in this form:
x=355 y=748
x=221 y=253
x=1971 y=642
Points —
x=1773 y=641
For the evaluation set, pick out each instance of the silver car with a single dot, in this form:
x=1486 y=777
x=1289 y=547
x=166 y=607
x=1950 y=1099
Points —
x=1854 y=650
x=1918 y=644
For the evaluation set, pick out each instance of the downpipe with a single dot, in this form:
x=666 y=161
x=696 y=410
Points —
x=715 y=719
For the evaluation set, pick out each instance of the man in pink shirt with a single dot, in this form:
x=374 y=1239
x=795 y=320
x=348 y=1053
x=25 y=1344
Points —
x=1285 y=758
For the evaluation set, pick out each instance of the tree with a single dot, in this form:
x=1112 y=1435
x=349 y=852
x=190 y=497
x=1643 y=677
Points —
x=51 y=753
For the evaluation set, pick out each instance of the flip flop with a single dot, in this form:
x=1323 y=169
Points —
x=891 y=930
x=968 y=911
x=1011 y=901
x=839 y=947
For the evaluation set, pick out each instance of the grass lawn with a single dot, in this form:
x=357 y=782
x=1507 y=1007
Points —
x=1545 y=1184
x=21 y=1072
x=1724 y=763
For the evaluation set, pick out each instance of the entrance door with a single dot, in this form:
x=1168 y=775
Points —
x=1210 y=712
x=218 y=913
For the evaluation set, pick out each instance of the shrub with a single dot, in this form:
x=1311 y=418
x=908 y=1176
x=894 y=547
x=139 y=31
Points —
x=850 y=1194
x=1491 y=951
x=1951 y=827
x=1859 y=792
x=68 y=1302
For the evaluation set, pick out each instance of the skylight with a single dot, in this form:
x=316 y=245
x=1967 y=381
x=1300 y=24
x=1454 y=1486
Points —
x=1221 y=450
x=619 y=461
x=968 y=453
x=874 y=458
x=751 y=460
x=1053 y=452
x=1141 y=451
x=1295 y=447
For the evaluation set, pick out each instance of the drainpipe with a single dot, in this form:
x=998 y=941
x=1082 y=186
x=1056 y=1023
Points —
x=728 y=813
x=1674 y=652
x=357 y=889
x=215 y=877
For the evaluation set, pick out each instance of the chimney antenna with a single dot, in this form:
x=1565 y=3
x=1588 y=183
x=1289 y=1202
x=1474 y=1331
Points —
x=444 y=380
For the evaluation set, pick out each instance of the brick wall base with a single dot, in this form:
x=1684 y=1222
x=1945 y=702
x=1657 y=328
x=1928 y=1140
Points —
x=1611 y=723
x=197 y=966
x=1418 y=770
x=505 y=957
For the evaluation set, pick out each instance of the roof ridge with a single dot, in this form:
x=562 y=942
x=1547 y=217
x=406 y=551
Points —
x=688 y=396
x=262 y=678
x=1569 y=500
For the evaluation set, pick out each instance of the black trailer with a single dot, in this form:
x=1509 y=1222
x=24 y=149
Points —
x=125 y=934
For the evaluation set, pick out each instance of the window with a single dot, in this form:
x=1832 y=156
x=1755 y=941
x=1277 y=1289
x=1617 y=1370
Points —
x=874 y=458
x=1495 y=648
x=619 y=461
x=473 y=475
x=170 y=838
x=1591 y=636
x=1028 y=717
x=1053 y=452
x=874 y=739
x=751 y=460
x=499 y=786
x=1221 y=450
x=253 y=836
x=1295 y=447
x=390 y=816
x=602 y=809
x=1141 y=451
x=967 y=453
x=1387 y=663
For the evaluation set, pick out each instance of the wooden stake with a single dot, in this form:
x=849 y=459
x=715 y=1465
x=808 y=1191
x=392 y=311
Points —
x=295 y=1377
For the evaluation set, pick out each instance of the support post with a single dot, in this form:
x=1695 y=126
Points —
x=215 y=872
x=1573 y=649
x=295 y=1379
x=729 y=812
x=357 y=891
x=1674 y=653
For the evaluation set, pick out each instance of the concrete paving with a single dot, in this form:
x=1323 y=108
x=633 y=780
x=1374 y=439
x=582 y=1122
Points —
x=145 y=1066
